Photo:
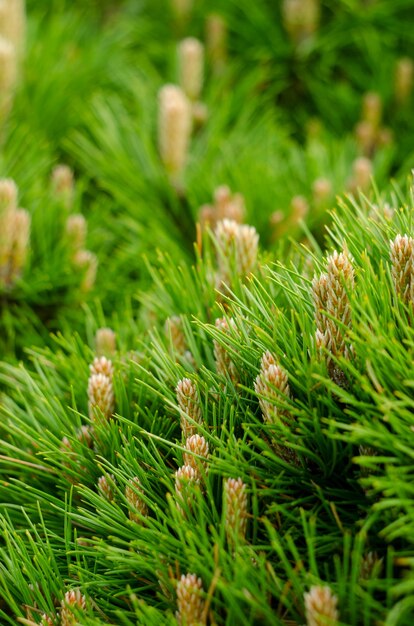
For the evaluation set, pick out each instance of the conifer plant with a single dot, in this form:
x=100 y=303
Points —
x=206 y=313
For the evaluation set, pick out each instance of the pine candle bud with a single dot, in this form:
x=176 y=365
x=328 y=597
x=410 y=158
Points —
x=404 y=79
x=73 y=600
x=271 y=382
x=385 y=136
x=366 y=136
x=322 y=191
x=235 y=507
x=228 y=205
x=300 y=208
x=13 y=22
x=190 y=602
x=239 y=241
x=20 y=231
x=186 y=479
x=100 y=396
x=340 y=281
x=46 y=620
x=216 y=38
x=102 y=365
x=8 y=76
x=300 y=18
x=362 y=174
x=85 y=436
x=224 y=364
x=333 y=311
x=76 y=229
x=402 y=267
x=320 y=607
x=191 y=67
x=8 y=195
x=174 y=129
x=106 y=487
x=63 y=184
x=199 y=114
x=196 y=447
x=370 y=565
x=237 y=249
x=182 y=9
x=372 y=109
x=174 y=332
x=87 y=262
x=133 y=494
x=105 y=342
x=8 y=66
x=189 y=404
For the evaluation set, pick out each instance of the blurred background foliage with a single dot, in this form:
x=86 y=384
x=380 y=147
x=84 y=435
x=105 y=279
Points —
x=283 y=112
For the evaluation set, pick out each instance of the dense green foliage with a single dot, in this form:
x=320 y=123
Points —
x=291 y=361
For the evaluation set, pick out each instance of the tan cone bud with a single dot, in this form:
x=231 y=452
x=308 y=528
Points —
x=63 y=184
x=190 y=601
x=300 y=18
x=182 y=9
x=101 y=396
x=372 y=109
x=13 y=23
x=174 y=332
x=362 y=174
x=272 y=382
x=402 y=267
x=186 y=480
x=366 y=135
x=235 y=507
x=8 y=195
x=189 y=404
x=191 y=67
x=300 y=208
x=105 y=342
x=216 y=37
x=340 y=282
x=174 y=129
x=322 y=191
x=102 y=365
x=76 y=229
x=8 y=77
x=20 y=233
x=197 y=453
x=321 y=607
x=237 y=251
x=87 y=262
x=106 y=487
x=227 y=206
x=73 y=600
x=404 y=79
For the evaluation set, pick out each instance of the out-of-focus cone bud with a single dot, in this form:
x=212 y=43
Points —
x=8 y=77
x=63 y=184
x=76 y=229
x=191 y=67
x=300 y=18
x=404 y=79
x=105 y=342
x=372 y=109
x=174 y=129
x=216 y=38
x=322 y=191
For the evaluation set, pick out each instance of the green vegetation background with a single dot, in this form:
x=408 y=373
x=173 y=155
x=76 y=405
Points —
x=280 y=117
